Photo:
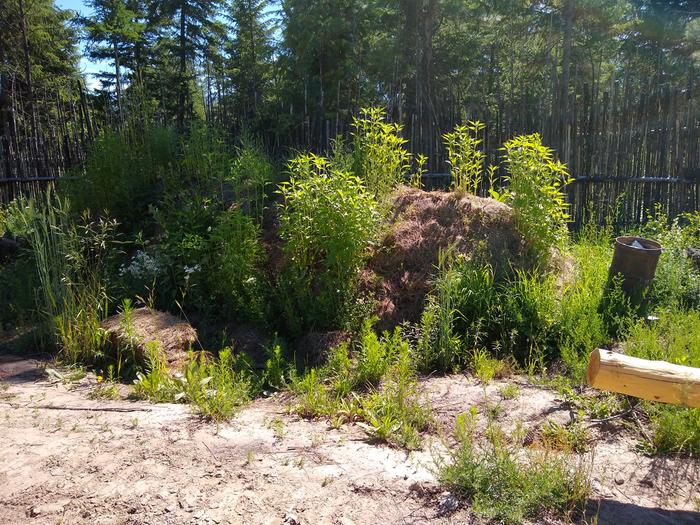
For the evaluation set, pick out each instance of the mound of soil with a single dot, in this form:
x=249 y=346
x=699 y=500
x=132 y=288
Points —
x=174 y=336
x=420 y=225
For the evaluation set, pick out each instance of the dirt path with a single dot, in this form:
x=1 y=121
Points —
x=97 y=461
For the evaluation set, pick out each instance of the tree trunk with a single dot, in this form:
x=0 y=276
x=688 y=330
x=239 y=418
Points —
x=117 y=81
x=28 y=69
x=182 y=95
x=568 y=18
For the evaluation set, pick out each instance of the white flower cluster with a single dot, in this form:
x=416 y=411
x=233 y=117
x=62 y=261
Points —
x=189 y=270
x=142 y=266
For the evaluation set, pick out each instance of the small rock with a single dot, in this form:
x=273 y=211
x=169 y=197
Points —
x=447 y=504
x=291 y=519
x=42 y=510
x=619 y=479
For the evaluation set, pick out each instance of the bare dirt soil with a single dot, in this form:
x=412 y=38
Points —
x=66 y=458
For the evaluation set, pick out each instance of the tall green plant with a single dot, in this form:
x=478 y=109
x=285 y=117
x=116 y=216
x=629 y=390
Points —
x=380 y=158
x=535 y=191
x=327 y=220
x=464 y=157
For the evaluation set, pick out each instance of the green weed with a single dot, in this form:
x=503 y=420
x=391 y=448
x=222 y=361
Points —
x=465 y=159
x=569 y=438
x=379 y=156
x=217 y=388
x=396 y=413
x=509 y=391
x=377 y=387
x=511 y=485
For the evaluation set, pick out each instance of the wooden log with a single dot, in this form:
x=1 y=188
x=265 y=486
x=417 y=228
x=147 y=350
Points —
x=653 y=380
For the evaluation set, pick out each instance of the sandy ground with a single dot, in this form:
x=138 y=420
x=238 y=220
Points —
x=68 y=459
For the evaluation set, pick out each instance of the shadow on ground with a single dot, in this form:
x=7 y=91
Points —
x=15 y=369
x=610 y=512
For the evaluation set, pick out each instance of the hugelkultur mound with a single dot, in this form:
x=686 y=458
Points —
x=420 y=224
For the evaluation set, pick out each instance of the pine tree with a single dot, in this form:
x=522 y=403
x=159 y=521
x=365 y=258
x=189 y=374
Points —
x=187 y=31
x=250 y=55
x=113 y=33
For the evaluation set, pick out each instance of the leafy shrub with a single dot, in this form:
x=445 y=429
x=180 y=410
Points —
x=465 y=159
x=535 y=182
x=327 y=220
x=508 y=485
x=251 y=174
x=233 y=266
x=380 y=159
x=677 y=280
x=184 y=247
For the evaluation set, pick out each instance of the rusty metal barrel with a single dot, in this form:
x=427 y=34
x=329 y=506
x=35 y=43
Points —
x=635 y=259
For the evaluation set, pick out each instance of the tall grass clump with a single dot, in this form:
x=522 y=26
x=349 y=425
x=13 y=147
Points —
x=465 y=158
x=582 y=324
x=71 y=261
x=510 y=485
x=471 y=310
x=327 y=220
x=531 y=317
x=441 y=345
x=380 y=159
x=535 y=184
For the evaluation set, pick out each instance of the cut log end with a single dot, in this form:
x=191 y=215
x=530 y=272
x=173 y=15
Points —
x=593 y=367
